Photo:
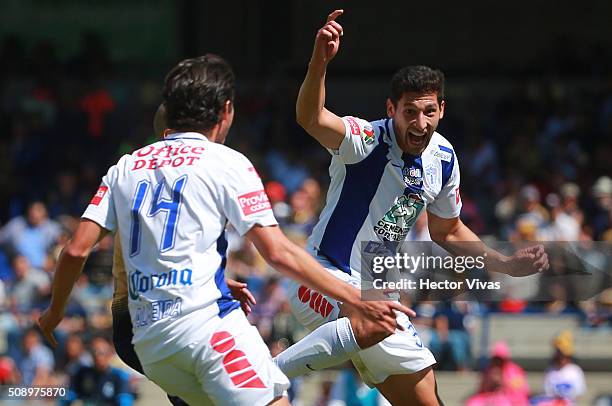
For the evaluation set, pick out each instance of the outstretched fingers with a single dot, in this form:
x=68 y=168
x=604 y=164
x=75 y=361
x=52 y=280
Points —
x=401 y=308
x=334 y=14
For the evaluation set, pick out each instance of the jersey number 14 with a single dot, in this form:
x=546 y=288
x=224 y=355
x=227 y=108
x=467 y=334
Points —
x=170 y=208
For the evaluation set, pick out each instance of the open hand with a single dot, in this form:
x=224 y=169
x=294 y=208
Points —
x=528 y=261
x=240 y=292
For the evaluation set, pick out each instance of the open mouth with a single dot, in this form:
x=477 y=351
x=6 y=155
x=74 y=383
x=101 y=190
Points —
x=416 y=140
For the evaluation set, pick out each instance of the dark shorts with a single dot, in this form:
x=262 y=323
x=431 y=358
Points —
x=122 y=339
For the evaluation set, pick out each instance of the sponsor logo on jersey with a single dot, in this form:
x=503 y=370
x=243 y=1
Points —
x=432 y=175
x=412 y=176
x=368 y=134
x=315 y=301
x=99 y=195
x=235 y=362
x=140 y=283
x=354 y=126
x=443 y=155
x=254 y=202
x=399 y=219
x=457 y=196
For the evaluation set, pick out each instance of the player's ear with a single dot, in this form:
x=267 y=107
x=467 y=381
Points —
x=390 y=108
x=228 y=111
x=442 y=104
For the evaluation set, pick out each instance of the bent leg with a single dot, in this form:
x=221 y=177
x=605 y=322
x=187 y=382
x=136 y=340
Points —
x=418 y=389
x=282 y=401
x=329 y=345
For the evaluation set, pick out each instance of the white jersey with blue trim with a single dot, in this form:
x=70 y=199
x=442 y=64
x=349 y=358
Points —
x=170 y=202
x=377 y=191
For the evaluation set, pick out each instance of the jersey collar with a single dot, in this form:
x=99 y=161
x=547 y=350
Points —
x=187 y=135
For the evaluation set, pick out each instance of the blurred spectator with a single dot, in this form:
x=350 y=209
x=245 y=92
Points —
x=531 y=208
x=100 y=384
x=31 y=235
x=9 y=376
x=76 y=355
x=304 y=213
x=268 y=305
x=35 y=361
x=570 y=192
x=562 y=226
x=29 y=286
x=450 y=339
x=502 y=380
x=8 y=372
x=67 y=198
x=285 y=326
x=602 y=208
x=525 y=229
x=277 y=195
x=564 y=380
x=312 y=188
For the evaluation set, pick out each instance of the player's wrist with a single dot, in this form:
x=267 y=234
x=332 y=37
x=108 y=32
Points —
x=317 y=66
x=498 y=263
x=353 y=297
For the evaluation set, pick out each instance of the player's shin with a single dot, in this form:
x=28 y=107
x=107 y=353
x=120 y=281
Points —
x=331 y=344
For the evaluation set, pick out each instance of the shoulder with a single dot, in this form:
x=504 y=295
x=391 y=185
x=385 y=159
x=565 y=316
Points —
x=227 y=160
x=226 y=152
x=363 y=127
x=16 y=223
x=441 y=148
x=573 y=369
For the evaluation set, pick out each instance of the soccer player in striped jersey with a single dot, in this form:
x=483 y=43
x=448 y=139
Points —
x=383 y=173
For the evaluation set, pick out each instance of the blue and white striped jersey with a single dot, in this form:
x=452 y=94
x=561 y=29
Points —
x=377 y=191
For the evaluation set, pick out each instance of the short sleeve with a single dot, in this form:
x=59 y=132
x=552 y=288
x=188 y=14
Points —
x=101 y=208
x=245 y=202
x=359 y=140
x=448 y=202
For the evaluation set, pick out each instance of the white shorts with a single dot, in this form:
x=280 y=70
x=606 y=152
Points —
x=401 y=353
x=229 y=365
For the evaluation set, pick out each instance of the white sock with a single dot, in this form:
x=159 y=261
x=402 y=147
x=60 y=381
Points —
x=331 y=344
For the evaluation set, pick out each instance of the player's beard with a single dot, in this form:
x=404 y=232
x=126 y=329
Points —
x=416 y=144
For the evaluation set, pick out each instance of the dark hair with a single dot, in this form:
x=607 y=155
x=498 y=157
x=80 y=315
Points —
x=420 y=79
x=195 y=92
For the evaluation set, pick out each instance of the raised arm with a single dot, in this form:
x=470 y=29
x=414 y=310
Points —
x=311 y=114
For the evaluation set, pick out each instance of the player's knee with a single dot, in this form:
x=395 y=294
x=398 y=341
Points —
x=411 y=389
x=280 y=401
